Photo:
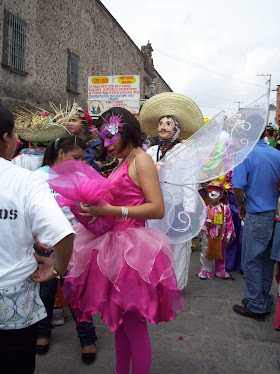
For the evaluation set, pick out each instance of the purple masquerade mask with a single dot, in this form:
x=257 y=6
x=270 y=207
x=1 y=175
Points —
x=112 y=127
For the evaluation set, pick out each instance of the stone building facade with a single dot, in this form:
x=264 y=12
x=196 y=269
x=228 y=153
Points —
x=57 y=39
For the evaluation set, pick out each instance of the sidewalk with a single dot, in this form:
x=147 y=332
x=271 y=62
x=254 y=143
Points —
x=207 y=338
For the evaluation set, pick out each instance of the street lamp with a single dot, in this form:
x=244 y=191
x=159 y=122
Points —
x=152 y=88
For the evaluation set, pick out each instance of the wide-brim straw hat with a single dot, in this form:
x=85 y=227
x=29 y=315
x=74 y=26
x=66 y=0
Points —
x=42 y=135
x=178 y=106
x=42 y=126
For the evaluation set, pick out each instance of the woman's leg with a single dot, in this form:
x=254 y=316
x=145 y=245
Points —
x=133 y=343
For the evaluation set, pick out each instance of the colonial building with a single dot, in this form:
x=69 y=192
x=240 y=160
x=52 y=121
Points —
x=50 y=48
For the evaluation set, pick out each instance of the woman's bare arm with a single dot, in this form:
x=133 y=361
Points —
x=147 y=179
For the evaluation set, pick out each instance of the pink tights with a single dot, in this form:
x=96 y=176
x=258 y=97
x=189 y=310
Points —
x=133 y=344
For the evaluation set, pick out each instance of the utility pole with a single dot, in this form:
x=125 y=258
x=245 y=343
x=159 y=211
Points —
x=268 y=81
x=239 y=102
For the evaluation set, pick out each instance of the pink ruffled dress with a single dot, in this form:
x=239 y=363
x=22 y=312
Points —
x=128 y=268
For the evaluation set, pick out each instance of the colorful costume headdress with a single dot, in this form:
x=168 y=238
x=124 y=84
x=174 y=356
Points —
x=112 y=127
x=43 y=126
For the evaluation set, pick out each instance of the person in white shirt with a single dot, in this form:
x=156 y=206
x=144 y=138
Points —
x=27 y=209
x=173 y=117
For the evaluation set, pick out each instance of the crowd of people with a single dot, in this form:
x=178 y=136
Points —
x=76 y=196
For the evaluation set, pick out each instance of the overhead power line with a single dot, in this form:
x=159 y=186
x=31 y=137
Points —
x=209 y=70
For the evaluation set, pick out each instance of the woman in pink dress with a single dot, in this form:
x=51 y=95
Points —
x=126 y=273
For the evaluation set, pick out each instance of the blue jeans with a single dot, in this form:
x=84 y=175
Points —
x=256 y=263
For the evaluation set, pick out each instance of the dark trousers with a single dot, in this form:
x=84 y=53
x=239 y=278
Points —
x=85 y=330
x=47 y=293
x=18 y=350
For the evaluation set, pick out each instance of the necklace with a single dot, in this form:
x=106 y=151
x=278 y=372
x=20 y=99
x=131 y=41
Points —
x=117 y=168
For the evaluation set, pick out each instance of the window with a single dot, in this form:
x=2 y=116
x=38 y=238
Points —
x=73 y=72
x=14 y=42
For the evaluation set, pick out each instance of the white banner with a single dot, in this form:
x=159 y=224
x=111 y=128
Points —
x=114 y=90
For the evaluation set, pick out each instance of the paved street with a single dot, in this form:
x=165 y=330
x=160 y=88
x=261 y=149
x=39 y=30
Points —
x=207 y=338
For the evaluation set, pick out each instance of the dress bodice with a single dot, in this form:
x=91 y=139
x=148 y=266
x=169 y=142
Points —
x=125 y=193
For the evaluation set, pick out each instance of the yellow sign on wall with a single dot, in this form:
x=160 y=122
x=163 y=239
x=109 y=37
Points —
x=100 y=80
x=127 y=79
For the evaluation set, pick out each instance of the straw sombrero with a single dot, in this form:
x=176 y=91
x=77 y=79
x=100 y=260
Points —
x=42 y=126
x=181 y=107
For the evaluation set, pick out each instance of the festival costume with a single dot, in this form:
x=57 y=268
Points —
x=182 y=251
x=128 y=268
x=233 y=249
x=212 y=256
x=208 y=152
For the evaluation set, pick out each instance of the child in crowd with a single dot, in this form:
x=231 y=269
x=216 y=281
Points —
x=216 y=233
x=68 y=147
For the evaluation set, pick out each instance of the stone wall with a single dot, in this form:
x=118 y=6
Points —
x=83 y=26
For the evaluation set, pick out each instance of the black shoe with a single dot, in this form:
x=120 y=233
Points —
x=245 y=302
x=243 y=311
x=88 y=358
x=42 y=349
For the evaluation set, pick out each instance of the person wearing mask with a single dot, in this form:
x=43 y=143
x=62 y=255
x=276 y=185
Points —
x=173 y=117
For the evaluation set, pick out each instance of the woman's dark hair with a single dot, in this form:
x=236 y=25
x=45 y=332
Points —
x=86 y=130
x=67 y=143
x=7 y=123
x=130 y=131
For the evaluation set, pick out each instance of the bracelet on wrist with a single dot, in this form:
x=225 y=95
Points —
x=56 y=273
x=124 y=213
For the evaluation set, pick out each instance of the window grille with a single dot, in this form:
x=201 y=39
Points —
x=14 y=46
x=73 y=75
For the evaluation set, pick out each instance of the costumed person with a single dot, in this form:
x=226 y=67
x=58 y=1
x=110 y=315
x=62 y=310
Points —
x=125 y=273
x=173 y=117
x=216 y=233
x=68 y=147
x=275 y=255
x=28 y=209
x=233 y=248
x=81 y=125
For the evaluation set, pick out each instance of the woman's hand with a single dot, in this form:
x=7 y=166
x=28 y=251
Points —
x=95 y=211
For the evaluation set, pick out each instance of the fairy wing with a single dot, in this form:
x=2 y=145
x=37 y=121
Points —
x=216 y=148
x=212 y=151
x=185 y=213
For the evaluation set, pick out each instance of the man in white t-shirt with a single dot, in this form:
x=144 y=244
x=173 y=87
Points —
x=27 y=209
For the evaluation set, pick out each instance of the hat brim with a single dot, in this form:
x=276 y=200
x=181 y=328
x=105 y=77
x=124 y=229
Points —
x=43 y=135
x=181 y=107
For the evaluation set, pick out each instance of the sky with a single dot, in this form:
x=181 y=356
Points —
x=213 y=51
